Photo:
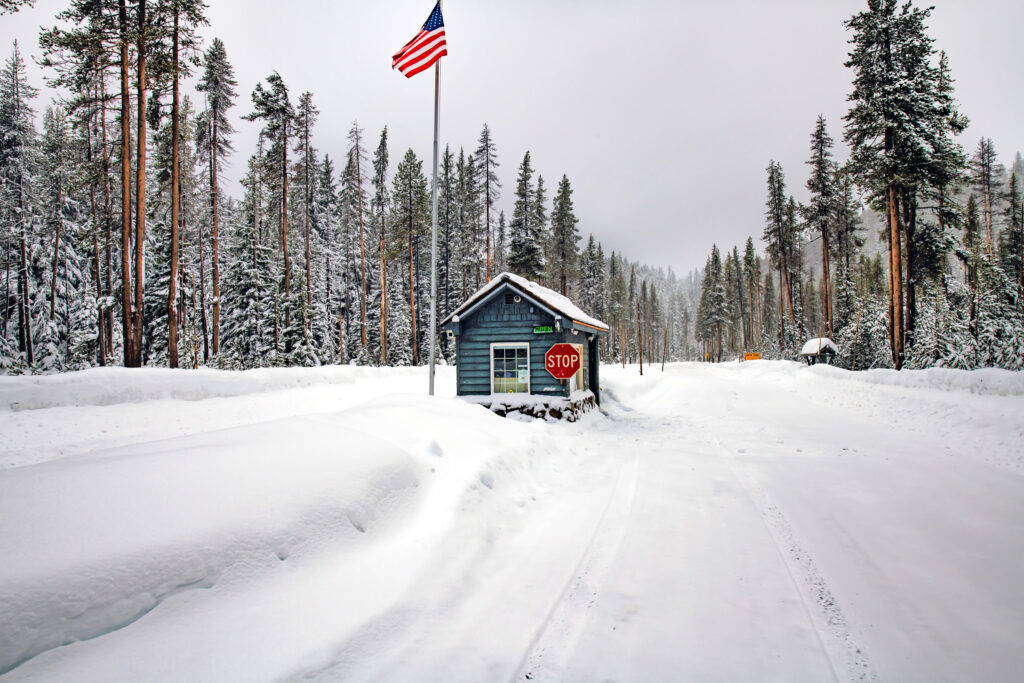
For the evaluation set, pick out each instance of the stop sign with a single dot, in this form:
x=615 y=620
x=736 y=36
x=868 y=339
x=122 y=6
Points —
x=562 y=361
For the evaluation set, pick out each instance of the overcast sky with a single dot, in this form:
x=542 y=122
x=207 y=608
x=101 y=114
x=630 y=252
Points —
x=664 y=115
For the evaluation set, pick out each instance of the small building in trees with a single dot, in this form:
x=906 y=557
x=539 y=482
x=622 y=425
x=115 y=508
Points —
x=503 y=334
x=820 y=350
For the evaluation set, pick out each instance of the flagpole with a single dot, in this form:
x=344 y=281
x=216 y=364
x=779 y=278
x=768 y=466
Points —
x=433 y=235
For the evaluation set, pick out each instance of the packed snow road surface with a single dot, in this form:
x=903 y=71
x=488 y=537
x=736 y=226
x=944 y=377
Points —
x=761 y=521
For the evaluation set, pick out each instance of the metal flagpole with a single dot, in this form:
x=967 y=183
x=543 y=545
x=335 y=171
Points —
x=433 y=235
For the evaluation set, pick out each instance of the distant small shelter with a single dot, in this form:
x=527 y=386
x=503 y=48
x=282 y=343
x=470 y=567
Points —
x=502 y=334
x=819 y=350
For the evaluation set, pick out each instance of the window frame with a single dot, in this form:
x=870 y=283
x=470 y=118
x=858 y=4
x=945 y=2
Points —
x=511 y=345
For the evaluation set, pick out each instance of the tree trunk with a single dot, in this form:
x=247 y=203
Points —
x=910 y=209
x=639 y=338
x=108 y=220
x=284 y=239
x=172 y=291
x=202 y=295
x=826 y=284
x=101 y=343
x=56 y=247
x=307 y=314
x=383 y=297
x=25 y=316
x=412 y=300
x=362 y=250
x=215 y=234
x=895 y=279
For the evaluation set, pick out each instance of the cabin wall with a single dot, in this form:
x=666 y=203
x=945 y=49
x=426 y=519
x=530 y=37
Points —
x=495 y=322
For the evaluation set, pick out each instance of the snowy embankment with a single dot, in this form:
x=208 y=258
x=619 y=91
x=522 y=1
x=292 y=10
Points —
x=733 y=522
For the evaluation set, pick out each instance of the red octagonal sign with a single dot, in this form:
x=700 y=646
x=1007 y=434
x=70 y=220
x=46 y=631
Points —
x=562 y=361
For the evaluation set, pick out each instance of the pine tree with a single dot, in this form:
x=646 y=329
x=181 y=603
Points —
x=564 y=238
x=897 y=128
x=821 y=211
x=1011 y=245
x=214 y=145
x=525 y=256
x=357 y=158
x=778 y=234
x=487 y=164
x=409 y=220
x=985 y=173
x=17 y=166
x=379 y=206
x=272 y=105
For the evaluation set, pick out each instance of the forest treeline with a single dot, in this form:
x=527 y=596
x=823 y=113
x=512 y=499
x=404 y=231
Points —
x=121 y=247
x=946 y=288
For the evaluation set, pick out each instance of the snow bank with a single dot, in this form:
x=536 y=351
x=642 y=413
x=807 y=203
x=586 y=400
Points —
x=109 y=386
x=96 y=542
x=985 y=381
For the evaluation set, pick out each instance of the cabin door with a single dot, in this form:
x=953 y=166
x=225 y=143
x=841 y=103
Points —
x=576 y=381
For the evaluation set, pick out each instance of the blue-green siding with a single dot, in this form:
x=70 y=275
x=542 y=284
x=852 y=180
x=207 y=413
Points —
x=497 y=322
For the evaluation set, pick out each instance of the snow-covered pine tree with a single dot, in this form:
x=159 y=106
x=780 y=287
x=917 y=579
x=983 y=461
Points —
x=820 y=213
x=329 y=262
x=18 y=205
x=271 y=104
x=487 y=164
x=304 y=171
x=525 y=256
x=379 y=206
x=353 y=187
x=410 y=219
x=1011 y=240
x=213 y=142
x=565 y=237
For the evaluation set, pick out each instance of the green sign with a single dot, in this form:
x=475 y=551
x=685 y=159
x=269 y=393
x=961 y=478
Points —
x=543 y=329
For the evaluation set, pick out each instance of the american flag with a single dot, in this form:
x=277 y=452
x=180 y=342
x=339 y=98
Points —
x=426 y=48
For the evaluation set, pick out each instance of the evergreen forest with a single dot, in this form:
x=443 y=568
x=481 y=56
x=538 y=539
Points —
x=121 y=247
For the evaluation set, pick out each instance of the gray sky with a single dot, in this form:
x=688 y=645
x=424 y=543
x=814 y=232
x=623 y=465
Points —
x=664 y=115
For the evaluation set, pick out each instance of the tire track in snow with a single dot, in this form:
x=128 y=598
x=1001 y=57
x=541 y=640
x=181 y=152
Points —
x=826 y=617
x=548 y=652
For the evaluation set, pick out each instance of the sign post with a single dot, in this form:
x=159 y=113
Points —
x=562 y=361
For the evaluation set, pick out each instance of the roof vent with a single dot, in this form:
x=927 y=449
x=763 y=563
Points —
x=511 y=298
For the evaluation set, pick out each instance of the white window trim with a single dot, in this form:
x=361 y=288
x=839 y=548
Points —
x=525 y=345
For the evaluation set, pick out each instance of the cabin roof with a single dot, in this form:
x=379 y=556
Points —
x=815 y=346
x=547 y=298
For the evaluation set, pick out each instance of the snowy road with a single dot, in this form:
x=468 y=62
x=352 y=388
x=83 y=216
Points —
x=755 y=522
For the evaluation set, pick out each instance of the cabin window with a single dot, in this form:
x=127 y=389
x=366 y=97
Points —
x=510 y=368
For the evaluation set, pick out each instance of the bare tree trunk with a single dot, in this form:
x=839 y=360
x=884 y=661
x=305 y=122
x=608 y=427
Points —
x=362 y=248
x=202 y=295
x=412 y=300
x=108 y=220
x=56 y=246
x=383 y=297
x=101 y=345
x=664 y=349
x=215 y=235
x=284 y=238
x=639 y=338
x=826 y=288
x=307 y=322
x=172 y=291
x=895 y=279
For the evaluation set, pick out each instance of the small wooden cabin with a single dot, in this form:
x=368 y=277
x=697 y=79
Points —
x=503 y=331
x=820 y=350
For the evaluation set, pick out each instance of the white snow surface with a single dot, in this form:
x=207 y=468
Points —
x=339 y=524
x=549 y=297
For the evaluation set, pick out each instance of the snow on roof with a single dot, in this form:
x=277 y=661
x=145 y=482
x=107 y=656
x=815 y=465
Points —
x=815 y=346
x=549 y=297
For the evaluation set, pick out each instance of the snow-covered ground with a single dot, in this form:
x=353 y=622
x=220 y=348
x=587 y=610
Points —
x=757 y=521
